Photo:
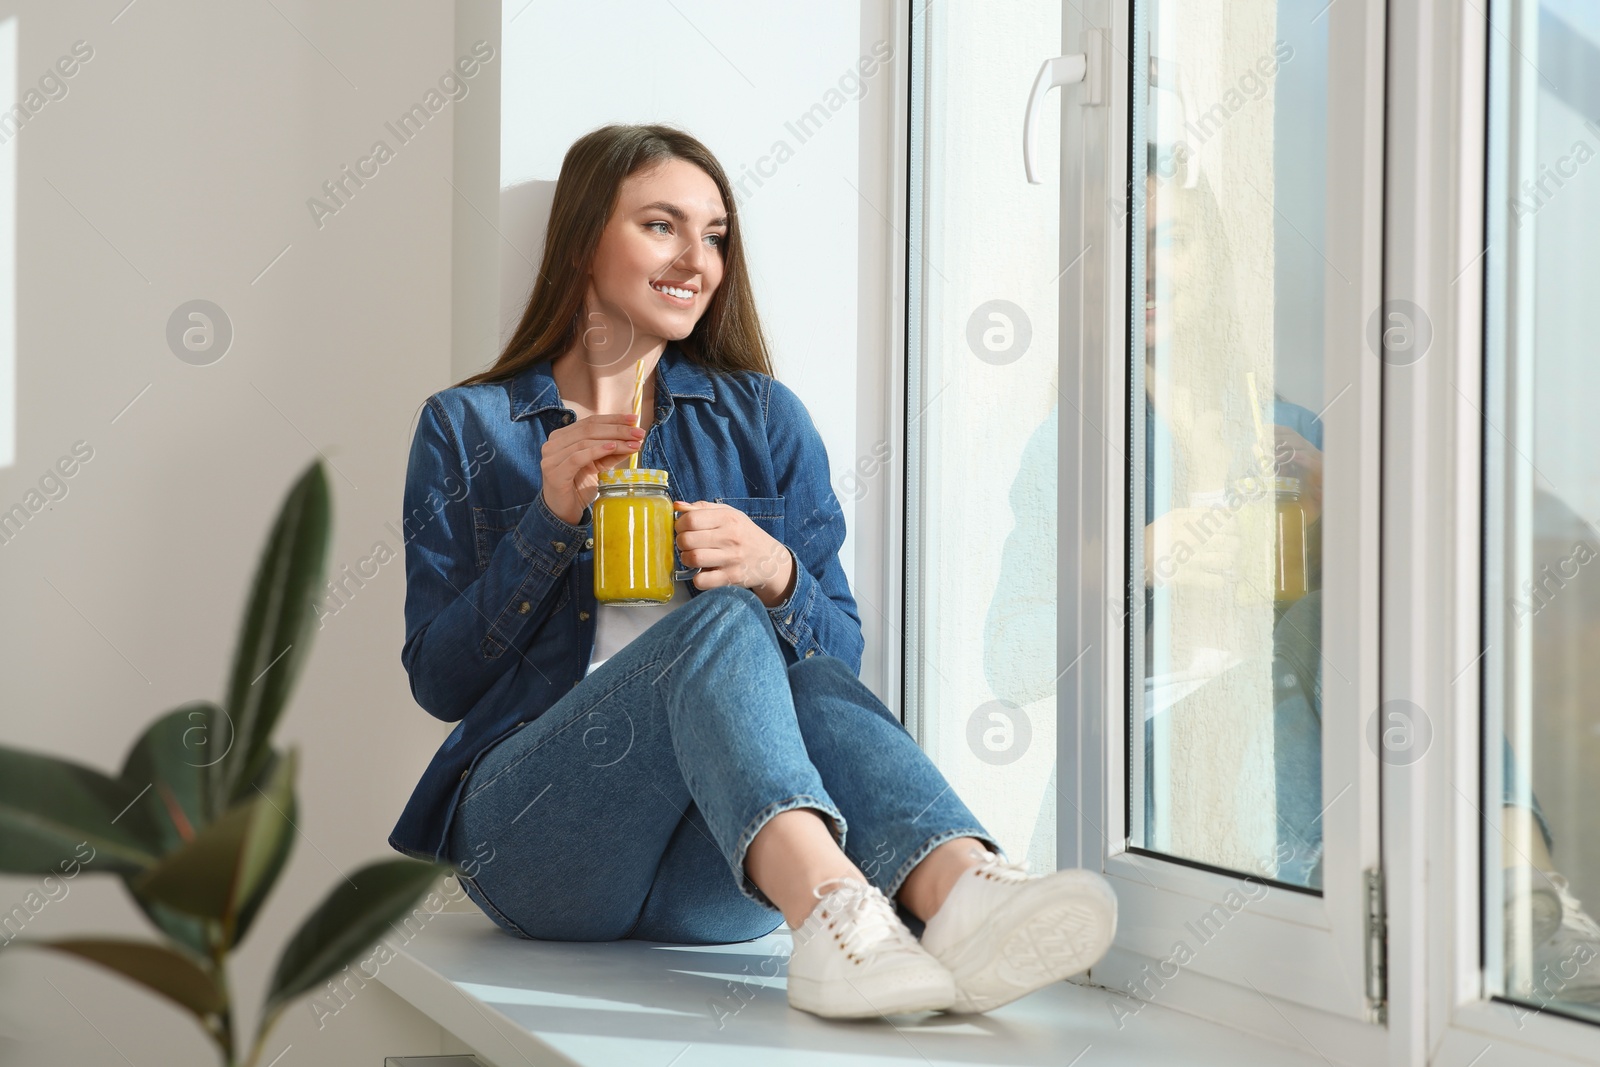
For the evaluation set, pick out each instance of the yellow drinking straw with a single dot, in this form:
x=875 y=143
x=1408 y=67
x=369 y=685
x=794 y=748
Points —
x=1255 y=412
x=638 y=399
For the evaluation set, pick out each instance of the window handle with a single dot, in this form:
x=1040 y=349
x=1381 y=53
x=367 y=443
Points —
x=1062 y=70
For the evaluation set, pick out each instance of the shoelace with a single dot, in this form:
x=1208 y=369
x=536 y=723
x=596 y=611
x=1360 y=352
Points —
x=859 y=915
x=1573 y=915
x=999 y=870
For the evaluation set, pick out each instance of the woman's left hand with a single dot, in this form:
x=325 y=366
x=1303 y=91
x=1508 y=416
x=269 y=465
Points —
x=1299 y=458
x=730 y=549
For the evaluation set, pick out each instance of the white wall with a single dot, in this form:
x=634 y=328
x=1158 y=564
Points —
x=178 y=166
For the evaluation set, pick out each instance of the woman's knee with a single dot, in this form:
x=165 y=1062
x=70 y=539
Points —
x=727 y=597
x=732 y=607
x=814 y=668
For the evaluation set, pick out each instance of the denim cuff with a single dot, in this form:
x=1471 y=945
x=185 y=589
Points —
x=548 y=540
x=835 y=821
x=777 y=610
x=792 y=618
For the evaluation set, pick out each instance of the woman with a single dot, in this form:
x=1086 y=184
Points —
x=683 y=773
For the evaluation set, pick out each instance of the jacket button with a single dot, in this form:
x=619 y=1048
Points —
x=463 y=776
x=524 y=607
x=810 y=652
x=583 y=616
x=561 y=546
x=589 y=543
x=790 y=618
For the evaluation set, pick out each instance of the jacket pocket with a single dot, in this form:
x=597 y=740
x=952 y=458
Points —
x=490 y=525
x=765 y=511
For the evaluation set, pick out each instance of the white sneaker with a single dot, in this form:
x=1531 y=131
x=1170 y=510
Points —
x=1004 y=933
x=1566 y=947
x=854 y=958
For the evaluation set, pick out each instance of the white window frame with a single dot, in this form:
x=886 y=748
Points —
x=1424 y=103
x=1303 y=954
x=1442 y=180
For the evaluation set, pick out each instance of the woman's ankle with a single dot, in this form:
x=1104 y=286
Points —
x=928 y=885
x=790 y=856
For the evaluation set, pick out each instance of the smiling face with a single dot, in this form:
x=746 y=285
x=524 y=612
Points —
x=659 y=259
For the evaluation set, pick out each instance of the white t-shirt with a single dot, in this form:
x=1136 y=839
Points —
x=618 y=624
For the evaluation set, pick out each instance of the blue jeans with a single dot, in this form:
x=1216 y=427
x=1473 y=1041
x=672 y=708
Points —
x=625 y=810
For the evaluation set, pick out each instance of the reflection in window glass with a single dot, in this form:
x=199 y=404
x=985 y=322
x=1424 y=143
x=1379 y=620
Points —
x=1542 y=495
x=1225 y=764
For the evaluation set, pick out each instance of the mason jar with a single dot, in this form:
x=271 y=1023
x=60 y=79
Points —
x=1289 y=556
x=633 y=537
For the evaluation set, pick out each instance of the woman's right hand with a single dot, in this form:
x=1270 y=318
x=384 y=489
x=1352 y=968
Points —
x=573 y=457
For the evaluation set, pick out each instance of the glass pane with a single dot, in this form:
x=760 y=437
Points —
x=984 y=259
x=1542 y=742
x=1226 y=409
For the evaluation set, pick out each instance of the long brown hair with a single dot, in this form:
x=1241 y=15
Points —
x=727 y=337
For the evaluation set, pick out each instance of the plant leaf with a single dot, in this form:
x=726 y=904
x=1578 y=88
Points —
x=198 y=878
x=156 y=967
x=173 y=758
x=186 y=930
x=275 y=633
x=174 y=752
x=267 y=850
x=211 y=876
x=50 y=807
x=347 y=922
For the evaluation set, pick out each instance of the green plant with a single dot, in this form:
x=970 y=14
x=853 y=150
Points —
x=200 y=821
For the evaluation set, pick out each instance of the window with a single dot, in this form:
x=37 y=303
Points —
x=1188 y=271
x=1231 y=680
x=1337 y=759
x=1541 y=740
x=1240 y=789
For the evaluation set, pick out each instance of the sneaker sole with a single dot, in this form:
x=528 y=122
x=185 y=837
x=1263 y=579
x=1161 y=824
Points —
x=841 y=999
x=1052 y=937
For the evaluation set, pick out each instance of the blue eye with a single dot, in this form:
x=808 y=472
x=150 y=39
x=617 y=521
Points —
x=720 y=239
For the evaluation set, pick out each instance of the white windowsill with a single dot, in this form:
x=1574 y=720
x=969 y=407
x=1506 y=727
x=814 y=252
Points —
x=518 y=1002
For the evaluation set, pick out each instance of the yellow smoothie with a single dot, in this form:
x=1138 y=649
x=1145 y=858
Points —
x=633 y=538
x=1290 y=548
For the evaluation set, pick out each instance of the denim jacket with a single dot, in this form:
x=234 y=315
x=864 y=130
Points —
x=500 y=605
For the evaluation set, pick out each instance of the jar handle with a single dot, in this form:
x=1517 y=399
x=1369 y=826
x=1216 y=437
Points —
x=680 y=573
